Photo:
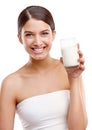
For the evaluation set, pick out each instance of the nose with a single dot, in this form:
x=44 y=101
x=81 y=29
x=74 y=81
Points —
x=37 y=40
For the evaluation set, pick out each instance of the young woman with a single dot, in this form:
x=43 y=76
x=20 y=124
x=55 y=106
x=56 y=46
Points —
x=45 y=94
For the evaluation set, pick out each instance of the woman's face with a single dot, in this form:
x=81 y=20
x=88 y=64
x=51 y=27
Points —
x=37 y=37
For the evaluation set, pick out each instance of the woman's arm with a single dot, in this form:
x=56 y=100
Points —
x=77 y=117
x=7 y=106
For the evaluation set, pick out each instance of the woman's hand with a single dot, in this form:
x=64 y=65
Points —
x=74 y=72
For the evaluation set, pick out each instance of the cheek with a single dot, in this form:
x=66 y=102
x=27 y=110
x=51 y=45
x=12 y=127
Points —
x=48 y=40
x=27 y=42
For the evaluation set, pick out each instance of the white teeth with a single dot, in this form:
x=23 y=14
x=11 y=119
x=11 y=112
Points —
x=38 y=50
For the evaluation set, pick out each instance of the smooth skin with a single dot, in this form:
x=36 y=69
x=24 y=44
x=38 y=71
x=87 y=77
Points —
x=42 y=74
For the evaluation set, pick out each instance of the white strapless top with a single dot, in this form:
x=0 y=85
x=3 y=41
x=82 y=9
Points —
x=45 y=112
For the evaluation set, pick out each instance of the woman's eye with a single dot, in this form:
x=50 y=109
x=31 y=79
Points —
x=28 y=35
x=45 y=33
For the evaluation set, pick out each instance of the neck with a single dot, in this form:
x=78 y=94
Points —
x=39 y=65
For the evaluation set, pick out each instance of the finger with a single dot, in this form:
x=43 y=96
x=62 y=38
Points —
x=78 y=45
x=82 y=67
x=61 y=59
x=80 y=53
x=81 y=60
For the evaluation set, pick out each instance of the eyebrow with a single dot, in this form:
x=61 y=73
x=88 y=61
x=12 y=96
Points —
x=33 y=32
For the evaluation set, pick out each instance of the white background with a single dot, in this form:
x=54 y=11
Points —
x=72 y=18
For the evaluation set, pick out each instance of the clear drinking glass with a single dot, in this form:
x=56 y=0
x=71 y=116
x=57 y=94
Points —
x=69 y=51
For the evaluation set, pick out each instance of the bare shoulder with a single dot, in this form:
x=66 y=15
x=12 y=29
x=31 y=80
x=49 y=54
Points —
x=9 y=86
x=62 y=74
x=9 y=81
x=60 y=65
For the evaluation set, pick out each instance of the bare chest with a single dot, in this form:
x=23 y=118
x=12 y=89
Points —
x=40 y=84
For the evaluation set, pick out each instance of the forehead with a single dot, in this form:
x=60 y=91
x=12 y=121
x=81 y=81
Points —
x=35 y=25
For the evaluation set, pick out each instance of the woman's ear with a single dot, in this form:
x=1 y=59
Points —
x=19 y=37
x=54 y=34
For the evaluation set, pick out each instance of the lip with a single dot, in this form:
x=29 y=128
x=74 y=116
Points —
x=38 y=50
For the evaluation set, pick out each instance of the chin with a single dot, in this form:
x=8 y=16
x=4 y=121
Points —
x=39 y=58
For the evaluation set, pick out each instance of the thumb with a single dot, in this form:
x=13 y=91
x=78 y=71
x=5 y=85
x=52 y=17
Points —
x=61 y=59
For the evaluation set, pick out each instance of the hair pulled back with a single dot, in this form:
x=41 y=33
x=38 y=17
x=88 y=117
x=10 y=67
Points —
x=36 y=12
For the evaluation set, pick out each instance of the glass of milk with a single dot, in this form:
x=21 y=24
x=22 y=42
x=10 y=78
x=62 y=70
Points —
x=69 y=51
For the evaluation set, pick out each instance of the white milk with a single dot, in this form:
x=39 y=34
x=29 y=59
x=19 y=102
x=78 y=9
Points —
x=70 y=55
x=69 y=52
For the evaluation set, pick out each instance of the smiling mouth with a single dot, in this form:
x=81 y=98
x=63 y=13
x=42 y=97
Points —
x=38 y=50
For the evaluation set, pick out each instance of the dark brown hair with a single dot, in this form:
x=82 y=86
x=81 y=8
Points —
x=36 y=12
